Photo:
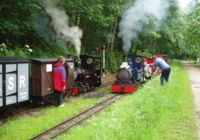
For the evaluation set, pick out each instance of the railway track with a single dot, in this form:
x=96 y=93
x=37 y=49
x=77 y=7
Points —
x=107 y=83
x=66 y=125
x=29 y=110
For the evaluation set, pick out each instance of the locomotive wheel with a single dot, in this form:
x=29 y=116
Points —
x=83 y=89
x=87 y=86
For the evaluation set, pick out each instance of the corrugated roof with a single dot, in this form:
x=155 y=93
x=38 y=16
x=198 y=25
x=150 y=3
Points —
x=13 y=59
x=43 y=60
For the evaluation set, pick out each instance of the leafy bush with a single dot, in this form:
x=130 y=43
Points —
x=113 y=60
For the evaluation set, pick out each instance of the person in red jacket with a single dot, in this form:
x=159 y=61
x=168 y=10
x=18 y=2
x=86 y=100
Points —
x=59 y=79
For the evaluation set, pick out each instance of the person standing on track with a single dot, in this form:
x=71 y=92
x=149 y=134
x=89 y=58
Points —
x=59 y=80
x=164 y=67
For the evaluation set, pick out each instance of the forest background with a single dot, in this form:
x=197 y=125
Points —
x=26 y=30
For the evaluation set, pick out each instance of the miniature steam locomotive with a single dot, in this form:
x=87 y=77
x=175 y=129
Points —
x=129 y=75
x=133 y=72
x=22 y=80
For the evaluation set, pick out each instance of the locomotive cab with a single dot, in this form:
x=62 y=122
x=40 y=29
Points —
x=137 y=65
x=89 y=73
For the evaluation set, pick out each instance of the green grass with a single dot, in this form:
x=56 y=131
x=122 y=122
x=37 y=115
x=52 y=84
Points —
x=27 y=127
x=154 y=112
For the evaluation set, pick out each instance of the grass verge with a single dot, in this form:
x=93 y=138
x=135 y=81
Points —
x=154 y=112
x=27 y=127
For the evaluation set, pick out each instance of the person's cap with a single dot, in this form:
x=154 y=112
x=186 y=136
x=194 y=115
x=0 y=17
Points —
x=125 y=65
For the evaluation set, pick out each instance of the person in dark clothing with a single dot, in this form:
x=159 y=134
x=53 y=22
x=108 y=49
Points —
x=59 y=79
x=164 y=67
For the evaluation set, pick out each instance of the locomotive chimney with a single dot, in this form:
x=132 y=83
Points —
x=78 y=64
x=126 y=58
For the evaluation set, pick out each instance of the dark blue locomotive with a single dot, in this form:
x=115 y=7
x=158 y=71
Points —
x=135 y=71
x=137 y=66
x=130 y=74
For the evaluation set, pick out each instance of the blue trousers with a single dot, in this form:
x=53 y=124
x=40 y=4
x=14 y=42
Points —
x=165 y=75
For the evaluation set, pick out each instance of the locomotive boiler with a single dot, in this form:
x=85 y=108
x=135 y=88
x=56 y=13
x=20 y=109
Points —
x=124 y=74
x=124 y=83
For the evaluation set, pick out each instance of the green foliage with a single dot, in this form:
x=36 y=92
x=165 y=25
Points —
x=16 y=19
x=192 y=33
x=23 y=51
x=7 y=50
x=114 y=59
x=26 y=22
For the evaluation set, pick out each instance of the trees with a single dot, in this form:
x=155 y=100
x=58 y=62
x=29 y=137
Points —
x=26 y=22
x=192 y=32
x=16 y=20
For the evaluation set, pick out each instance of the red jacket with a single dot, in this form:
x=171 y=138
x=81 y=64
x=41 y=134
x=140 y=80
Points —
x=59 y=77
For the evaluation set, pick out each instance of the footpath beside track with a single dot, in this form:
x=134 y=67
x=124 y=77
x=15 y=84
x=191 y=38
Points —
x=194 y=74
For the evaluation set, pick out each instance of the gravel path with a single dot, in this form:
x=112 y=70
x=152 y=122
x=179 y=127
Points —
x=194 y=74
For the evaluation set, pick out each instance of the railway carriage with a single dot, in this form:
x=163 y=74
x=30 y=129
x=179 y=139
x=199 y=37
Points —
x=22 y=80
x=163 y=56
x=42 y=74
x=14 y=81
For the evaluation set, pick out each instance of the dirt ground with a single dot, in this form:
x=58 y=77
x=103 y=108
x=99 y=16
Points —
x=108 y=78
x=194 y=74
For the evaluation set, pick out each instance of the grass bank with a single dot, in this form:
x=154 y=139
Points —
x=153 y=113
x=28 y=126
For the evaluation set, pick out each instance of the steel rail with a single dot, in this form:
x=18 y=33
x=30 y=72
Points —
x=66 y=125
x=27 y=111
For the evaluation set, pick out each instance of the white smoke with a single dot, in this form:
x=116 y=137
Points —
x=60 y=22
x=186 y=6
x=136 y=16
x=184 y=3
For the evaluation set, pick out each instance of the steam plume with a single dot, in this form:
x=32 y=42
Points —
x=60 y=22
x=186 y=6
x=136 y=16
